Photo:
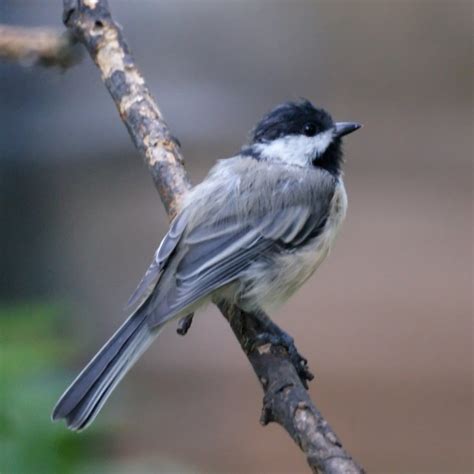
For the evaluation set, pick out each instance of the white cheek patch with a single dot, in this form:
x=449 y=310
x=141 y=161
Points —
x=296 y=149
x=321 y=141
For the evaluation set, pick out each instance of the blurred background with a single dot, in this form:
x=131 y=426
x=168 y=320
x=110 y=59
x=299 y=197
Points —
x=386 y=323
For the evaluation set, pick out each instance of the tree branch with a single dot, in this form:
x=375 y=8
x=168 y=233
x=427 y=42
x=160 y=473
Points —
x=280 y=369
x=38 y=46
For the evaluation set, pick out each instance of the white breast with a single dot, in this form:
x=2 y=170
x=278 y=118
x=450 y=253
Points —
x=292 y=270
x=337 y=213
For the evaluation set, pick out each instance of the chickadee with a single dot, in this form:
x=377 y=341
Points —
x=251 y=233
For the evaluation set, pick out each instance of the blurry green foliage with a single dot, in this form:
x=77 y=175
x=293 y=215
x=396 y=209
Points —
x=31 y=358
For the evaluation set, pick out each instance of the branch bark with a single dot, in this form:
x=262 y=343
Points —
x=38 y=46
x=279 y=368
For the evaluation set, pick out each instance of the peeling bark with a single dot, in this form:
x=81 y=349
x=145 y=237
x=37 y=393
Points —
x=92 y=24
x=282 y=372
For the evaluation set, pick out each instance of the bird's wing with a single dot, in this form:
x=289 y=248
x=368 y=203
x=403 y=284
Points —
x=214 y=254
x=163 y=253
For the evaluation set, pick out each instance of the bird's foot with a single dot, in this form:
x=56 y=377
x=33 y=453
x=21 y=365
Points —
x=274 y=335
x=184 y=324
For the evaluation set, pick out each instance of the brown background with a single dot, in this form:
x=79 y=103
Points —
x=387 y=321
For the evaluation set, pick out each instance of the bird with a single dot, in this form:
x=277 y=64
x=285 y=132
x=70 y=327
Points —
x=250 y=234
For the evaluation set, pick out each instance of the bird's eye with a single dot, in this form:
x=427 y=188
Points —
x=309 y=129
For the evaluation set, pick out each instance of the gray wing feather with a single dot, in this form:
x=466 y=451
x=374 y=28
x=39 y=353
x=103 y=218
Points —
x=150 y=279
x=285 y=224
x=214 y=254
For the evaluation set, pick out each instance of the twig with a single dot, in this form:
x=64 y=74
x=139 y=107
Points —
x=281 y=371
x=38 y=46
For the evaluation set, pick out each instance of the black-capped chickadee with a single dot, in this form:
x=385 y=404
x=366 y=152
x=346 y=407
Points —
x=251 y=233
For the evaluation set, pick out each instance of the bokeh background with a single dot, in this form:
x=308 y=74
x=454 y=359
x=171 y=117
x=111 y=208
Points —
x=387 y=321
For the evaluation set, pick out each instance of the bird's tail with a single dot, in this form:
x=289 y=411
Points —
x=82 y=401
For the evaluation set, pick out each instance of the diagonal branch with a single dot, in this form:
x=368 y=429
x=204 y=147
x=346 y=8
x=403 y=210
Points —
x=38 y=46
x=279 y=368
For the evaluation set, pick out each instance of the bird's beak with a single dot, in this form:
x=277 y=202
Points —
x=344 y=128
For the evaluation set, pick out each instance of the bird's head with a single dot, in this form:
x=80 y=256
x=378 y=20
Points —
x=297 y=133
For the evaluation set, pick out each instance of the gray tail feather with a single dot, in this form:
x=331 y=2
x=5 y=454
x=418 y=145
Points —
x=82 y=401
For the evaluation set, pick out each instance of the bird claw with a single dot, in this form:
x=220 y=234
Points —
x=184 y=324
x=278 y=337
